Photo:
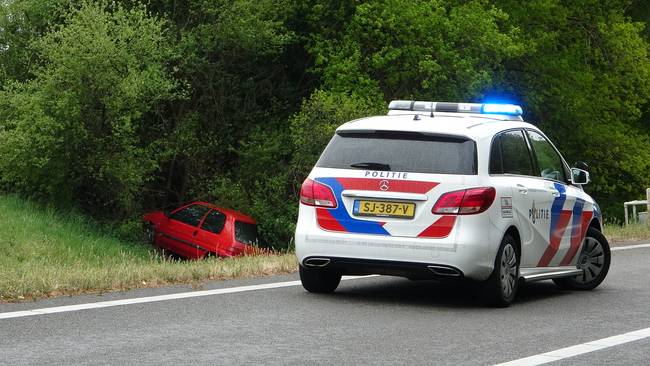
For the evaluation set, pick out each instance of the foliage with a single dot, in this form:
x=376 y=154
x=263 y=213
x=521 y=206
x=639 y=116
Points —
x=419 y=49
x=126 y=106
x=585 y=80
x=72 y=133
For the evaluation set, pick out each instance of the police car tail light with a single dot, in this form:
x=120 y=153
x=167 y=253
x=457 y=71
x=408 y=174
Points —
x=465 y=202
x=317 y=194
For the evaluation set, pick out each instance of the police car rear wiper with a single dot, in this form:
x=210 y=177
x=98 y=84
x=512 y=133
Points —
x=374 y=166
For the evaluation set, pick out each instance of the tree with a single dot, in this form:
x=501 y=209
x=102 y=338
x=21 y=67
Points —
x=73 y=132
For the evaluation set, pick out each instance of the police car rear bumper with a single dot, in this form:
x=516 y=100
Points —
x=470 y=253
x=361 y=267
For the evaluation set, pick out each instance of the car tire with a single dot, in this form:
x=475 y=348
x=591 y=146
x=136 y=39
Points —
x=150 y=233
x=319 y=280
x=500 y=289
x=594 y=260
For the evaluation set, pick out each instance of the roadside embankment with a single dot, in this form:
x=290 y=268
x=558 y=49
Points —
x=46 y=253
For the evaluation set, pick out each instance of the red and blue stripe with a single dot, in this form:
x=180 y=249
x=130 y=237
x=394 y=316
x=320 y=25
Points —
x=338 y=219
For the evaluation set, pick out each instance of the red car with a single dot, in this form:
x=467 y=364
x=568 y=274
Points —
x=200 y=229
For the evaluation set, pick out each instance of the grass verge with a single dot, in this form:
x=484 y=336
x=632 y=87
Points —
x=46 y=253
x=633 y=232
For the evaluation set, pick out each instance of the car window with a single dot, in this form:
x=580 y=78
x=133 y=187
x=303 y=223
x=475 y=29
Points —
x=400 y=151
x=496 y=163
x=214 y=222
x=246 y=233
x=514 y=154
x=190 y=215
x=548 y=160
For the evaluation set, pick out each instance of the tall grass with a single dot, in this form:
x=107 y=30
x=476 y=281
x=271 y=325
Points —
x=46 y=253
x=632 y=232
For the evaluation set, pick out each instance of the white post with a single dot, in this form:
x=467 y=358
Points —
x=647 y=194
x=635 y=218
x=626 y=222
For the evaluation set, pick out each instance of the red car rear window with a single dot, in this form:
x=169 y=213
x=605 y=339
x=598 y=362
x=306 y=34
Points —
x=246 y=233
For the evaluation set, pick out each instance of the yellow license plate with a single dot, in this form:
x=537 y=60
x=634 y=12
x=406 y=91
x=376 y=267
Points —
x=384 y=209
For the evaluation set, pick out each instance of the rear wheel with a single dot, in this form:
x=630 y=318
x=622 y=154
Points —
x=501 y=288
x=594 y=262
x=319 y=280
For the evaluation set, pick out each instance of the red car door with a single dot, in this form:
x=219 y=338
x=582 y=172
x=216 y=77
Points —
x=179 y=233
x=212 y=234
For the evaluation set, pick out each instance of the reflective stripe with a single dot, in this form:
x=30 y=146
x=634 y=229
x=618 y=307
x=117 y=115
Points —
x=576 y=232
x=439 y=229
x=559 y=221
x=341 y=216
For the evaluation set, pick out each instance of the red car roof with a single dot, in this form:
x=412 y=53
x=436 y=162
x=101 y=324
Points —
x=236 y=214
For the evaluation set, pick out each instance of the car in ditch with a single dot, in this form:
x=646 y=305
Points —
x=449 y=191
x=201 y=229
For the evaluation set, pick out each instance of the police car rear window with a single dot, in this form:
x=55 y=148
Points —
x=400 y=151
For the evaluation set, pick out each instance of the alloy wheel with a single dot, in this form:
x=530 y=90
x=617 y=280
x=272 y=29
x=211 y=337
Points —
x=508 y=270
x=591 y=260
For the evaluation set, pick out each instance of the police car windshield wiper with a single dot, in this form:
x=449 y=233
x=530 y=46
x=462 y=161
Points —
x=373 y=166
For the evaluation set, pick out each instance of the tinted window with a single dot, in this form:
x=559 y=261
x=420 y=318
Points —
x=514 y=153
x=190 y=215
x=496 y=164
x=548 y=160
x=214 y=222
x=400 y=151
x=246 y=233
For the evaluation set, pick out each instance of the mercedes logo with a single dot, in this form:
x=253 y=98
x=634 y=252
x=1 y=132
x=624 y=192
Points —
x=383 y=185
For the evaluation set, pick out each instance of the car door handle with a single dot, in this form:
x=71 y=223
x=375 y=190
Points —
x=554 y=192
x=522 y=189
x=195 y=232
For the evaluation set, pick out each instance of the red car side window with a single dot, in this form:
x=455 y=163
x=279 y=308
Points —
x=190 y=215
x=214 y=222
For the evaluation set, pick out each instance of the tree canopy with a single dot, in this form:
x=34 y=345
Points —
x=119 y=107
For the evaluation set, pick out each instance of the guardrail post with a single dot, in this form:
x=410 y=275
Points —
x=647 y=193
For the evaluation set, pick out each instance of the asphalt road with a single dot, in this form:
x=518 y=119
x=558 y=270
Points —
x=376 y=320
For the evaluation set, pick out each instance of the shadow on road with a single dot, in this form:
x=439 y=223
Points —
x=439 y=294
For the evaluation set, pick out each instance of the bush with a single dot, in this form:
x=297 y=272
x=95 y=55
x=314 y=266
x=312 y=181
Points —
x=72 y=133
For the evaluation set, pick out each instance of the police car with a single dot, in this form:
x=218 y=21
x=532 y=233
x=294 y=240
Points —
x=449 y=191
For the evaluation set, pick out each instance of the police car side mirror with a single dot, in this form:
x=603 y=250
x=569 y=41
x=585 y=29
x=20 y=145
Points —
x=579 y=176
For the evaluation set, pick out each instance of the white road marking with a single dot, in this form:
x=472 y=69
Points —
x=142 y=300
x=185 y=295
x=637 y=246
x=580 y=349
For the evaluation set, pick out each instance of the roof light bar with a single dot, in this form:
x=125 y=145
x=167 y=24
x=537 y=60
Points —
x=507 y=109
x=477 y=108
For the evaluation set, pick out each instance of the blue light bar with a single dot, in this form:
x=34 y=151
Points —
x=507 y=109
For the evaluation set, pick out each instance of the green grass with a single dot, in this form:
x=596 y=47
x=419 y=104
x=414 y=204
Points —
x=620 y=233
x=47 y=253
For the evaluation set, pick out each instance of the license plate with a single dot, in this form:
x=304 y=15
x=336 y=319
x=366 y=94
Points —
x=384 y=209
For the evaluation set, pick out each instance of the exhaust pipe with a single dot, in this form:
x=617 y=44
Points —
x=316 y=262
x=444 y=271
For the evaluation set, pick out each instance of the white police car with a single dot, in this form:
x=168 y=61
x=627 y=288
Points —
x=448 y=191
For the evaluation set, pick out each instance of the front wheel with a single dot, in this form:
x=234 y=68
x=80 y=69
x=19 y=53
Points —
x=501 y=288
x=319 y=280
x=594 y=262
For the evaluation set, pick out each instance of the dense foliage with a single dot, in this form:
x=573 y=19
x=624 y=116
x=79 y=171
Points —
x=119 y=107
